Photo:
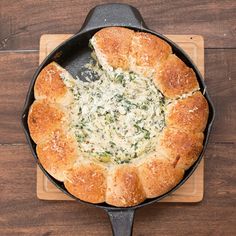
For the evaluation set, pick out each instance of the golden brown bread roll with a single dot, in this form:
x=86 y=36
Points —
x=158 y=176
x=49 y=84
x=174 y=78
x=124 y=187
x=153 y=100
x=44 y=118
x=190 y=113
x=112 y=46
x=147 y=52
x=58 y=153
x=182 y=147
x=87 y=182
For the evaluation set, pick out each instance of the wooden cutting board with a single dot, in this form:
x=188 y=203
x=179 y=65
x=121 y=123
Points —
x=192 y=190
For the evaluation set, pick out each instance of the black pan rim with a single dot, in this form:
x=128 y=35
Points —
x=148 y=201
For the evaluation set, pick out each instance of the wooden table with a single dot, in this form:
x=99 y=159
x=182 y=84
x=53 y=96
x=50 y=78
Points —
x=21 y=24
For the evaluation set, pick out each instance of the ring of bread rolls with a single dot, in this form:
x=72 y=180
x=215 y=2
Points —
x=179 y=144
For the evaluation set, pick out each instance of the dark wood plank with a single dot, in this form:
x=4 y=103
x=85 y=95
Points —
x=22 y=22
x=21 y=212
x=19 y=68
x=15 y=75
x=220 y=71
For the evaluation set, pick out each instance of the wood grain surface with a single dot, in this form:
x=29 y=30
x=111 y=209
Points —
x=26 y=20
x=21 y=213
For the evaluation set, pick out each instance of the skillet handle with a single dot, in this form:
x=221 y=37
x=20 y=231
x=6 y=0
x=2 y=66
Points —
x=121 y=222
x=113 y=14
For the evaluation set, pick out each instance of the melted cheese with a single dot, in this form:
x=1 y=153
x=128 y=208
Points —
x=117 y=117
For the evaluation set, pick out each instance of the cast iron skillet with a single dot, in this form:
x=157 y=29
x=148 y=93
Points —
x=72 y=55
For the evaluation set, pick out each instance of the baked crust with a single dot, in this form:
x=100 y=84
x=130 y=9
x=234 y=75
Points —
x=87 y=182
x=190 y=114
x=44 y=118
x=158 y=176
x=174 y=78
x=58 y=153
x=147 y=52
x=112 y=46
x=124 y=187
x=178 y=144
x=181 y=147
x=50 y=86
